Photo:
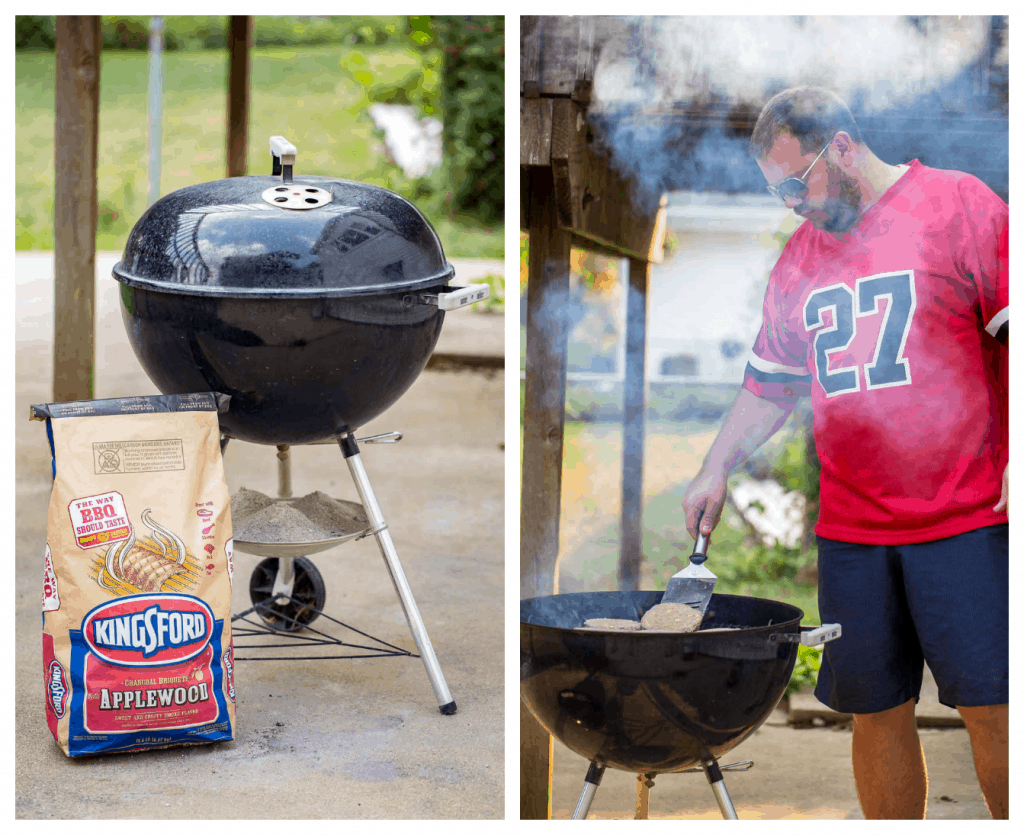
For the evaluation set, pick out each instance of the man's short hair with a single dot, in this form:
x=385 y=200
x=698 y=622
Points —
x=811 y=115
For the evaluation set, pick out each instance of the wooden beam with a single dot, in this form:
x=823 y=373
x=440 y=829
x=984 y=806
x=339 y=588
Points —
x=535 y=131
x=239 y=48
x=543 y=429
x=585 y=60
x=77 y=107
x=610 y=208
x=634 y=397
x=568 y=128
x=592 y=197
x=600 y=247
x=531 y=32
x=524 y=204
x=558 y=54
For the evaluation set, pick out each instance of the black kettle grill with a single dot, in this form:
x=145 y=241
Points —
x=314 y=303
x=657 y=702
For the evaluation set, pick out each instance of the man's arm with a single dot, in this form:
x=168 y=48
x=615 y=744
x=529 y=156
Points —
x=751 y=421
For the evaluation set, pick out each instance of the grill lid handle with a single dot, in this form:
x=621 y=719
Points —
x=283 y=153
x=809 y=636
x=454 y=297
x=462 y=296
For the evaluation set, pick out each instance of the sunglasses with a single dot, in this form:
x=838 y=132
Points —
x=795 y=187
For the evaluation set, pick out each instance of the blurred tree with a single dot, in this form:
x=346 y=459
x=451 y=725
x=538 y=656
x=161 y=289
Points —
x=461 y=78
x=473 y=102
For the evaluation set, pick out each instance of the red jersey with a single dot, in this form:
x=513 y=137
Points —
x=895 y=330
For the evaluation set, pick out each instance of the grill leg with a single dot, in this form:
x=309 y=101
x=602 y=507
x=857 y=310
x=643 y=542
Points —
x=717 y=781
x=387 y=550
x=590 y=784
x=284 y=472
x=644 y=784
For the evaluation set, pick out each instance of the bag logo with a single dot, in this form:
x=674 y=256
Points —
x=149 y=629
x=57 y=688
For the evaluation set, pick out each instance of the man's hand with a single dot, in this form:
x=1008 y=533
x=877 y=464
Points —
x=1004 y=500
x=704 y=500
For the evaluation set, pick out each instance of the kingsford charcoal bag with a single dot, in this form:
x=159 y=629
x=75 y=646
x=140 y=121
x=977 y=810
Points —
x=137 y=647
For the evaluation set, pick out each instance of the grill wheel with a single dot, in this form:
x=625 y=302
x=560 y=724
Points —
x=307 y=601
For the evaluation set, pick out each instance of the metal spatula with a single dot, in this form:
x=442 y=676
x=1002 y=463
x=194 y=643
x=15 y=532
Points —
x=695 y=583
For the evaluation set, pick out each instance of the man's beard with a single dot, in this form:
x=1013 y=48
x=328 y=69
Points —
x=843 y=211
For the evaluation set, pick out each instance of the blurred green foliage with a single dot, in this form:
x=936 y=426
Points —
x=496 y=301
x=805 y=673
x=461 y=74
x=195 y=32
x=796 y=467
x=473 y=100
x=316 y=95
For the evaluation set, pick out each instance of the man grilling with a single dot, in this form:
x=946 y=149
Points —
x=889 y=307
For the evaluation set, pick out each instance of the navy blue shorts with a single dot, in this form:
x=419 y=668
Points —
x=944 y=602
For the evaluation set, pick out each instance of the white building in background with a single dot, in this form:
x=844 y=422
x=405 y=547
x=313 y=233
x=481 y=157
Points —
x=705 y=299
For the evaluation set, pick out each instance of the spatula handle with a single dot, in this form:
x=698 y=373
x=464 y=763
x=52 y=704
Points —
x=699 y=554
x=700 y=548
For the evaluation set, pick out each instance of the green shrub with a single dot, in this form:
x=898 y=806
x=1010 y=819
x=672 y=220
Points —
x=808 y=663
x=35 y=32
x=496 y=301
x=460 y=76
x=125 y=33
x=473 y=102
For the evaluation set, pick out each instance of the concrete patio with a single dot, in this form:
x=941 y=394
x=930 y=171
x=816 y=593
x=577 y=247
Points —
x=343 y=739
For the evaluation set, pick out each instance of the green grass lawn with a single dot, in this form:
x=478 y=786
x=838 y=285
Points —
x=300 y=93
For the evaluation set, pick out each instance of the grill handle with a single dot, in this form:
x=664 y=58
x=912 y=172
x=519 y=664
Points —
x=810 y=636
x=283 y=153
x=383 y=438
x=454 y=298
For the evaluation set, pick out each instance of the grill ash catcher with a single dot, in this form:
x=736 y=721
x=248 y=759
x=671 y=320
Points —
x=657 y=702
x=314 y=303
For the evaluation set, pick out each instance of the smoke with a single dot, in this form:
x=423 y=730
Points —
x=747 y=59
x=669 y=92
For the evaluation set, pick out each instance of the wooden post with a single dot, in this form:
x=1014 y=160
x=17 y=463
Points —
x=543 y=428
x=239 y=46
x=536 y=768
x=634 y=402
x=77 y=106
x=544 y=404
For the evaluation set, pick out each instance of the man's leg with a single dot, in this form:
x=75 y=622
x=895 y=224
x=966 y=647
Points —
x=990 y=741
x=888 y=764
x=962 y=621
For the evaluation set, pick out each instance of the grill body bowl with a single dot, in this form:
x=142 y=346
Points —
x=298 y=370
x=649 y=701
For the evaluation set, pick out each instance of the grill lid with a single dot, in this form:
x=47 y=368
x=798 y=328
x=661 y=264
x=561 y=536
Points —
x=326 y=238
